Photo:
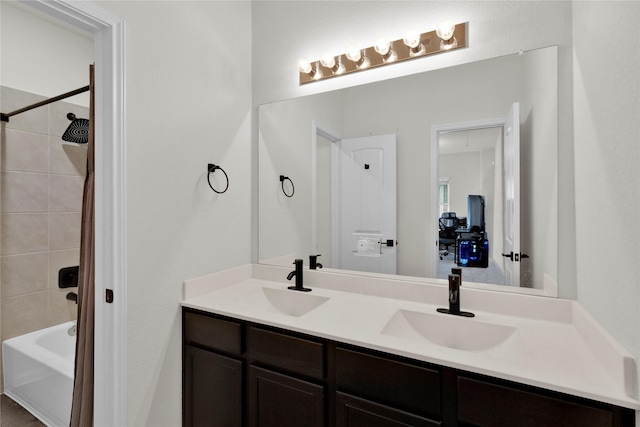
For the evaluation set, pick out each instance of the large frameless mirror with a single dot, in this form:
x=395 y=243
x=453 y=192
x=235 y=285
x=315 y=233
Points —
x=411 y=176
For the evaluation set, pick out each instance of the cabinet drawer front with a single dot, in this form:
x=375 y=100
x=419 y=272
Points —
x=485 y=404
x=400 y=385
x=213 y=333
x=277 y=400
x=355 y=412
x=293 y=354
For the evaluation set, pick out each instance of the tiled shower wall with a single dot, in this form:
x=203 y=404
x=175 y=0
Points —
x=42 y=180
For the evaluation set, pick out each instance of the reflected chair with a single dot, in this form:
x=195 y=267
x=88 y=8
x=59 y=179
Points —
x=448 y=224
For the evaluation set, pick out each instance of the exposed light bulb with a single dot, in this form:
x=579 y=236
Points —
x=445 y=31
x=382 y=46
x=304 y=66
x=353 y=54
x=328 y=60
x=412 y=39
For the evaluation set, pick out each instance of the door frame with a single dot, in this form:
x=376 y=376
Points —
x=432 y=233
x=110 y=341
x=331 y=135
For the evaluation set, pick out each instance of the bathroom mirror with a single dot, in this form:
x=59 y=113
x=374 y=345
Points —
x=303 y=139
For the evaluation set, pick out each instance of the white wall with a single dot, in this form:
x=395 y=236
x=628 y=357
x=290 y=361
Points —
x=464 y=171
x=539 y=171
x=188 y=101
x=285 y=149
x=607 y=154
x=308 y=28
x=40 y=56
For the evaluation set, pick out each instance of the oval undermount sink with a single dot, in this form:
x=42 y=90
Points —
x=447 y=330
x=293 y=303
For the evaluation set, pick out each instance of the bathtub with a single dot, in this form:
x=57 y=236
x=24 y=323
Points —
x=38 y=372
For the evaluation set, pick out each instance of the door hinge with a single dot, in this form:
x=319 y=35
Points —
x=109 y=296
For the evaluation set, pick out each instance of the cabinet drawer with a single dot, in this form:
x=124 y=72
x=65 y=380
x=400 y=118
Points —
x=296 y=355
x=484 y=404
x=355 y=412
x=397 y=384
x=213 y=333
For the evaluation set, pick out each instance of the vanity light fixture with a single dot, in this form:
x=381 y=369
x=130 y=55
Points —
x=384 y=52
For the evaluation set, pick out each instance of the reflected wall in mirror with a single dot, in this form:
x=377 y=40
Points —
x=300 y=138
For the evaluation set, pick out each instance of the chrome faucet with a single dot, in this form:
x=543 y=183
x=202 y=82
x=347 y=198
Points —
x=454 y=297
x=298 y=275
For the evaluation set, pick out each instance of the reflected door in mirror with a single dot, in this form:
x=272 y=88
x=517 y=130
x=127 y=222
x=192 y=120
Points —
x=367 y=187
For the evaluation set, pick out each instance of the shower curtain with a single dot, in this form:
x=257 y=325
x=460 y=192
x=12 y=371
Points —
x=82 y=406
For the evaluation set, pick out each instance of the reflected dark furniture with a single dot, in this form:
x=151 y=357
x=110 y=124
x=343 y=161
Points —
x=448 y=224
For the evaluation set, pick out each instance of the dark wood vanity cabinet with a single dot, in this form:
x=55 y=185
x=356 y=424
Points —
x=238 y=373
x=212 y=370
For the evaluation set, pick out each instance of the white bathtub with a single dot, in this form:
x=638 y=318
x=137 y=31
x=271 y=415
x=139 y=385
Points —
x=38 y=372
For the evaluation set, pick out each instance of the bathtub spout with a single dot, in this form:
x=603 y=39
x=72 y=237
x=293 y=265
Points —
x=72 y=330
x=72 y=296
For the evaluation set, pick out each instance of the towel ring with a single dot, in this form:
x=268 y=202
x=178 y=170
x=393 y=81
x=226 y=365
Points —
x=293 y=188
x=212 y=168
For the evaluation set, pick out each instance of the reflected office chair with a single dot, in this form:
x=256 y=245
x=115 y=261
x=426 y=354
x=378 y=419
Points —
x=448 y=224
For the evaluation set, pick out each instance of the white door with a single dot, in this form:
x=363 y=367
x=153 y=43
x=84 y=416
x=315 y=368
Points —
x=367 y=211
x=511 y=249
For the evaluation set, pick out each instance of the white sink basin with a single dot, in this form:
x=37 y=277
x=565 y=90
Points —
x=446 y=330
x=293 y=303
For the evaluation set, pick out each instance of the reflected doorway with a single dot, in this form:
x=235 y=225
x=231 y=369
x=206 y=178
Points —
x=470 y=165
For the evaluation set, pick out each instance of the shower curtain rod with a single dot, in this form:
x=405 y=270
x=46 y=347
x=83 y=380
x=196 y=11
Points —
x=5 y=117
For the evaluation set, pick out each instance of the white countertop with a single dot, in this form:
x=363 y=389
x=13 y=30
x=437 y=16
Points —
x=556 y=345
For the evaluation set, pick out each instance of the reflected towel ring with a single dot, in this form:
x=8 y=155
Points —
x=293 y=188
x=212 y=168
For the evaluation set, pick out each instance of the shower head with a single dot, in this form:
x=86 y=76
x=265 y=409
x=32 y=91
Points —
x=78 y=130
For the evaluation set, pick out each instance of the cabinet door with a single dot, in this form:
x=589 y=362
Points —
x=277 y=400
x=355 y=412
x=212 y=389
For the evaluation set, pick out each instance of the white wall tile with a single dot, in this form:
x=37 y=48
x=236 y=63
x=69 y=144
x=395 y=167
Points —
x=66 y=193
x=24 y=233
x=67 y=158
x=23 y=314
x=24 y=274
x=25 y=192
x=64 y=230
x=24 y=151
